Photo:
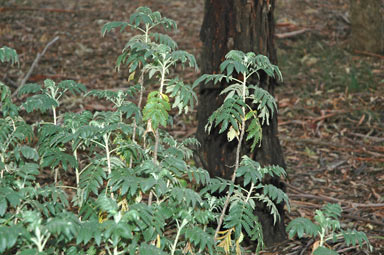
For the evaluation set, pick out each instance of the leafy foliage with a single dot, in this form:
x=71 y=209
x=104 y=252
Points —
x=301 y=226
x=326 y=223
x=8 y=55
x=134 y=188
x=157 y=108
x=354 y=237
x=238 y=68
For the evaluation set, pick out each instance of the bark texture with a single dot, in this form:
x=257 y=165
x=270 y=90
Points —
x=246 y=25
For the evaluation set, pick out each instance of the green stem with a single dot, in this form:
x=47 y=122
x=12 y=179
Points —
x=237 y=164
x=155 y=151
x=322 y=235
x=141 y=82
x=54 y=115
x=56 y=175
x=106 y=146
x=40 y=239
x=179 y=228
x=5 y=166
x=76 y=169
x=162 y=81
x=250 y=192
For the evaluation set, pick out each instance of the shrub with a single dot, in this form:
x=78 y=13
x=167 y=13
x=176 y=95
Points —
x=135 y=188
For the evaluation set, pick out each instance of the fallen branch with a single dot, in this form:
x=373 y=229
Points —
x=34 y=64
x=373 y=138
x=353 y=217
x=370 y=54
x=302 y=194
x=381 y=160
x=20 y=8
x=335 y=200
x=323 y=117
x=291 y=34
x=316 y=141
x=344 y=215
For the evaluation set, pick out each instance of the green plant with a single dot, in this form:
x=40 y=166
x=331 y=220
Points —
x=134 y=188
x=7 y=107
x=8 y=55
x=245 y=108
x=326 y=228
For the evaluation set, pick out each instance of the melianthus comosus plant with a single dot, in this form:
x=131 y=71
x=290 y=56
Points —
x=136 y=190
x=114 y=172
x=245 y=108
x=133 y=55
x=325 y=226
x=117 y=175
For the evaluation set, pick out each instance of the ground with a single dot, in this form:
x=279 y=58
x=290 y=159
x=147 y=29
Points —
x=331 y=104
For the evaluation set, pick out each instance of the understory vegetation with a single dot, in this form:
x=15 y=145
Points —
x=134 y=187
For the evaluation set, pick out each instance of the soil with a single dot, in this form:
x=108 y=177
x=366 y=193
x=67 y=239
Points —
x=331 y=105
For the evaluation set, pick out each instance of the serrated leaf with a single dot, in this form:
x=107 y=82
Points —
x=321 y=250
x=29 y=88
x=112 y=25
x=301 y=226
x=156 y=110
x=29 y=152
x=8 y=55
x=353 y=237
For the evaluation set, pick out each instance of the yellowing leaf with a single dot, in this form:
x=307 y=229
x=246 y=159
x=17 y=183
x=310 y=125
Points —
x=123 y=204
x=232 y=133
x=164 y=96
x=158 y=242
x=226 y=242
x=102 y=217
x=131 y=76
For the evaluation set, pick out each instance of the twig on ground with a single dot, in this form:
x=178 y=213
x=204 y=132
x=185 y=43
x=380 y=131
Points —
x=373 y=138
x=34 y=64
x=363 y=219
x=314 y=141
x=341 y=251
x=291 y=34
x=345 y=215
x=370 y=54
x=335 y=200
x=381 y=160
x=21 y=8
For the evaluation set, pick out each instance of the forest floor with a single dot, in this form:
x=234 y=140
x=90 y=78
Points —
x=331 y=105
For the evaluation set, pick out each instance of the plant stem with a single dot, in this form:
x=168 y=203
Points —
x=162 y=81
x=54 y=115
x=250 y=192
x=56 y=175
x=238 y=149
x=55 y=123
x=76 y=169
x=5 y=166
x=183 y=223
x=141 y=82
x=154 y=160
x=77 y=172
x=105 y=136
x=156 y=131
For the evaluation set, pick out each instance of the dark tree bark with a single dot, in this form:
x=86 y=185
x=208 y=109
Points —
x=246 y=25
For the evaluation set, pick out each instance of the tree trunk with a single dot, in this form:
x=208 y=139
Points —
x=367 y=25
x=246 y=25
